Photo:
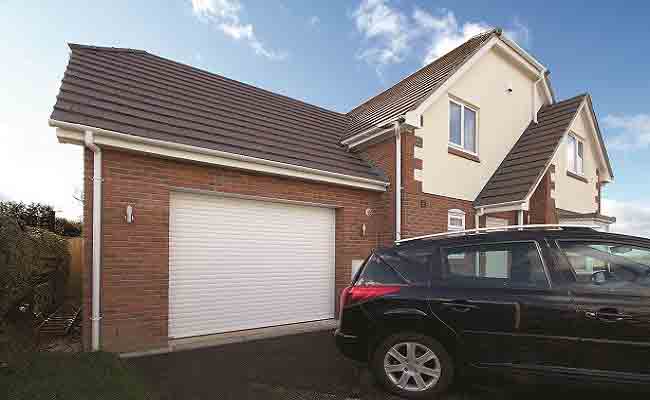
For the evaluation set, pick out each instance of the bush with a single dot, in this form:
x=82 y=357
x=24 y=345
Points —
x=34 y=263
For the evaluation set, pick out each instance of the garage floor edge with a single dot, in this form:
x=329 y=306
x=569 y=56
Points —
x=236 y=337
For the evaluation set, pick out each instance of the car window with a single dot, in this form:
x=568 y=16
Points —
x=398 y=266
x=515 y=264
x=610 y=265
x=377 y=272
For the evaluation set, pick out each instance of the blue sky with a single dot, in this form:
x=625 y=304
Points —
x=334 y=54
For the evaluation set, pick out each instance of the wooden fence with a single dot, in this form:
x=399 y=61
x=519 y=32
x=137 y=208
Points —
x=75 y=246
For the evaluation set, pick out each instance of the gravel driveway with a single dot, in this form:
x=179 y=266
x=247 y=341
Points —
x=297 y=367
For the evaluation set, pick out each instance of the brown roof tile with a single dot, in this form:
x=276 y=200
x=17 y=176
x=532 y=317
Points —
x=566 y=214
x=138 y=93
x=520 y=170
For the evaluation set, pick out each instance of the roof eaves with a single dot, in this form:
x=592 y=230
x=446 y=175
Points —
x=600 y=136
x=77 y=46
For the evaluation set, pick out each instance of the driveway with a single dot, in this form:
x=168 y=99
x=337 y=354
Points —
x=297 y=367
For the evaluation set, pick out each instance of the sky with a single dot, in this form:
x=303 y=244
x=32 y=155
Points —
x=334 y=54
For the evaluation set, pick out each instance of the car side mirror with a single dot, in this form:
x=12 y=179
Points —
x=599 y=277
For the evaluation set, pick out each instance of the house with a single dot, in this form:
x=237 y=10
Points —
x=222 y=207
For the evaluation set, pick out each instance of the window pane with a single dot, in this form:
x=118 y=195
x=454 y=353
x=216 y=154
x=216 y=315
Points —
x=571 y=153
x=624 y=267
x=496 y=265
x=580 y=159
x=456 y=223
x=470 y=130
x=454 y=123
x=377 y=272
x=412 y=263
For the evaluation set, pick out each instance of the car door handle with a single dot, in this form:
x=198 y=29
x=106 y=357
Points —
x=607 y=316
x=459 y=305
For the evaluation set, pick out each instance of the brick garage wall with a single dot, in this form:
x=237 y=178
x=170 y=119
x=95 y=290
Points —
x=134 y=299
x=382 y=156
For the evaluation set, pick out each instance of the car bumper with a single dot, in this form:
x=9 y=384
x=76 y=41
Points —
x=351 y=346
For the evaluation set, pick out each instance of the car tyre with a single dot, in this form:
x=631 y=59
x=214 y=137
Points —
x=406 y=364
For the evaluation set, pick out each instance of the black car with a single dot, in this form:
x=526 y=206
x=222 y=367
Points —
x=538 y=304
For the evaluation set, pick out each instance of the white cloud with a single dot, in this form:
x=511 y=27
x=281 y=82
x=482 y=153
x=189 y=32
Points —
x=386 y=31
x=390 y=35
x=519 y=33
x=226 y=15
x=632 y=131
x=631 y=218
x=314 y=20
x=445 y=31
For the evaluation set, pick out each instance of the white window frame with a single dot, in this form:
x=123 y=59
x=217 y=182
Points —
x=452 y=214
x=463 y=106
x=574 y=155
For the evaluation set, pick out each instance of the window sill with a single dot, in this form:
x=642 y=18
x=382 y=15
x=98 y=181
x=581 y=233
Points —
x=463 y=154
x=576 y=176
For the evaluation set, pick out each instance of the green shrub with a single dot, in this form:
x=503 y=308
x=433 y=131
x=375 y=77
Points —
x=33 y=262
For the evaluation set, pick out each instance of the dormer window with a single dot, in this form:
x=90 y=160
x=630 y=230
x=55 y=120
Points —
x=575 y=154
x=462 y=126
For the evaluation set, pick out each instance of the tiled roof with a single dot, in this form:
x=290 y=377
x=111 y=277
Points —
x=526 y=162
x=410 y=92
x=138 y=93
x=566 y=214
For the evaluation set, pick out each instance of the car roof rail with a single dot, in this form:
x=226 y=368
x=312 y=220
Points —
x=508 y=228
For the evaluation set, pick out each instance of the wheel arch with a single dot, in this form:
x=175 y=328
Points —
x=398 y=321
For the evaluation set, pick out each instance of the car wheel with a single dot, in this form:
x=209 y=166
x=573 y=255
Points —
x=412 y=365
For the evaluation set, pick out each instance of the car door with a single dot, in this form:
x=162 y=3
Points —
x=611 y=287
x=499 y=299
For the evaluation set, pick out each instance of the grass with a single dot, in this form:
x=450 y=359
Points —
x=71 y=376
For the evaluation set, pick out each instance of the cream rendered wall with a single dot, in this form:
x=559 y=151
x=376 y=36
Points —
x=502 y=118
x=570 y=193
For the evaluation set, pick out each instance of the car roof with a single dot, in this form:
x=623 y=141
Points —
x=518 y=235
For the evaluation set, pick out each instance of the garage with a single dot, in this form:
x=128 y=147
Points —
x=241 y=263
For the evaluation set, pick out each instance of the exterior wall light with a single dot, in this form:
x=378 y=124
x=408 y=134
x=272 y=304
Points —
x=129 y=217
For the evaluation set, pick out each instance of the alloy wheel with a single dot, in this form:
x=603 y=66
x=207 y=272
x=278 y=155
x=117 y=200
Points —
x=412 y=366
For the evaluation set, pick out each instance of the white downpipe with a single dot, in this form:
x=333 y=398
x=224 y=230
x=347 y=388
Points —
x=534 y=102
x=398 y=182
x=520 y=217
x=89 y=141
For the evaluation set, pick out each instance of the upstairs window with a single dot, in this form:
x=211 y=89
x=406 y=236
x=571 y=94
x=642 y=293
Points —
x=575 y=154
x=462 y=126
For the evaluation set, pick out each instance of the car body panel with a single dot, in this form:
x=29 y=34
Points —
x=515 y=332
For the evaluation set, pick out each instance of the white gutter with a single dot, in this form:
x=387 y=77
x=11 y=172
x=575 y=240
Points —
x=523 y=53
x=398 y=182
x=89 y=141
x=366 y=135
x=163 y=148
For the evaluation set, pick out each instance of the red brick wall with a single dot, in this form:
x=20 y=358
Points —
x=382 y=156
x=416 y=220
x=542 y=205
x=425 y=213
x=134 y=302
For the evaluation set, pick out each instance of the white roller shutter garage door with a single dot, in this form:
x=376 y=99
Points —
x=239 y=263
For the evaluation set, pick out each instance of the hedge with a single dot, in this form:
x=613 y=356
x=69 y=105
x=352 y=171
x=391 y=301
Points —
x=34 y=264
